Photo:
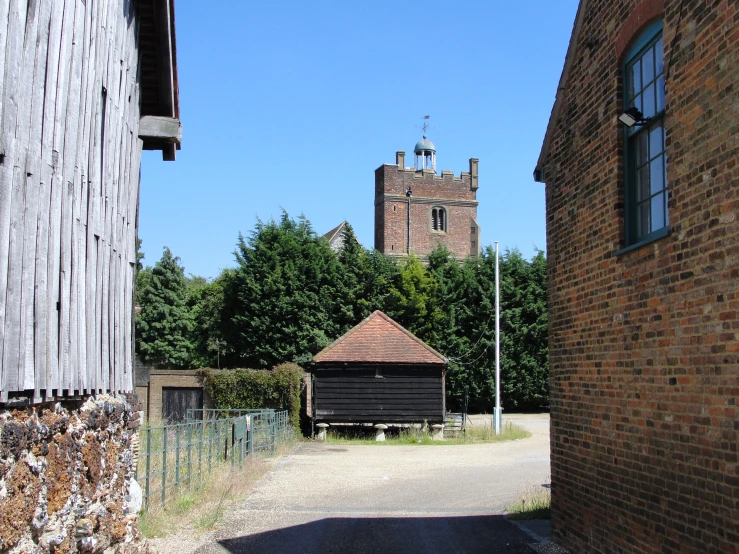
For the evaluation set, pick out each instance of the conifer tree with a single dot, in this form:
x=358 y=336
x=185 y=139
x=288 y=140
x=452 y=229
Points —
x=163 y=327
x=283 y=294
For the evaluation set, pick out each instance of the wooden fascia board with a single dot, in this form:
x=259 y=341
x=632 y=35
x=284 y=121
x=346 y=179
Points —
x=561 y=88
x=165 y=58
x=158 y=129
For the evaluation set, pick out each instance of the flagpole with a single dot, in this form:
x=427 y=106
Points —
x=497 y=415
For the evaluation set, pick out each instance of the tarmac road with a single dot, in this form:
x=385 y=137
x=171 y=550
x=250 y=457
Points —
x=388 y=499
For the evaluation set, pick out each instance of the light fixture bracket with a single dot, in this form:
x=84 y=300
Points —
x=632 y=117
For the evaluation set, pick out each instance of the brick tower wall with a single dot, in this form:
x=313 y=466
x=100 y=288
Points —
x=644 y=345
x=457 y=195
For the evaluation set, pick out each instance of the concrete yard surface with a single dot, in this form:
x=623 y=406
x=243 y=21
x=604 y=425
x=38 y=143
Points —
x=386 y=498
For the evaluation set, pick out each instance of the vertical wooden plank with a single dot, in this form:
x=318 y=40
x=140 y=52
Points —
x=71 y=177
x=12 y=96
x=42 y=117
x=57 y=187
x=4 y=32
x=34 y=194
x=17 y=320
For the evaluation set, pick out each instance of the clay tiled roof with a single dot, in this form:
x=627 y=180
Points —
x=379 y=339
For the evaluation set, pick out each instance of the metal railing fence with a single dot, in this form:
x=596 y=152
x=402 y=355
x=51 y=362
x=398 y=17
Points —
x=181 y=454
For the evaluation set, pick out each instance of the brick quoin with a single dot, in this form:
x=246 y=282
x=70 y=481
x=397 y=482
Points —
x=457 y=195
x=644 y=344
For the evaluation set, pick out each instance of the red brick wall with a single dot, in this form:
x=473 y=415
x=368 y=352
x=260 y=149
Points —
x=644 y=346
x=455 y=194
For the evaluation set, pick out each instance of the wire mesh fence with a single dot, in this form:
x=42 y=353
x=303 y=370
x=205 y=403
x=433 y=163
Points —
x=181 y=454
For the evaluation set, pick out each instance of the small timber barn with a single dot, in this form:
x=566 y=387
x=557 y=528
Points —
x=84 y=86
x=378 y=372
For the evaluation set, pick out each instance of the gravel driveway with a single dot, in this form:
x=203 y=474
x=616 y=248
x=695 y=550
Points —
x=367 y=499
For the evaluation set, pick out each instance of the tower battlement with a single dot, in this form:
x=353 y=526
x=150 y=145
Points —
x=417 y=209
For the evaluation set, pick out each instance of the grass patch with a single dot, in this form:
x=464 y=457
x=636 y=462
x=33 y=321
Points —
x=421 y=436
x=202 y=506
x=535 y=503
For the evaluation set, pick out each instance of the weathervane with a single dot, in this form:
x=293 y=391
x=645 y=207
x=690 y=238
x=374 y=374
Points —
x=425 y=125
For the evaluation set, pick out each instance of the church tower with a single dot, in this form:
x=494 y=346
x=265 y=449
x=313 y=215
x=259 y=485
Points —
x=416 y=209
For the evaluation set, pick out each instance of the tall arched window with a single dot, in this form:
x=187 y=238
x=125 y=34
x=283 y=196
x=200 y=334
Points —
x=646 y=164
x=438 y=219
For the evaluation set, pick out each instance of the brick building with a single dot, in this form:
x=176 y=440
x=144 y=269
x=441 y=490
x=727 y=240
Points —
x=640 y=165
x=416 y=209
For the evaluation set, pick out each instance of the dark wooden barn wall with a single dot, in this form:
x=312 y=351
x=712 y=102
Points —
x=398 y=395
x=69 y=178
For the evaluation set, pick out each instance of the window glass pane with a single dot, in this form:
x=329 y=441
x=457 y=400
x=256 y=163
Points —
x=642 y=219
x=660 y=94
x=642 y=183
x=658 y=212
x=648 y=100
x=647 y=61
x=656 y=144
x=658 y=55
x=635 y=79
x=656 y=178
x=642 y=153
x=441 y=220
x=638 y=103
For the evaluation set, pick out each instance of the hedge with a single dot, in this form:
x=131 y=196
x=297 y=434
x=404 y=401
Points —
x=278 y=388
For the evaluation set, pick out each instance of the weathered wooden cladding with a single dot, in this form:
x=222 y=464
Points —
x=69 y=176
x=379 y=394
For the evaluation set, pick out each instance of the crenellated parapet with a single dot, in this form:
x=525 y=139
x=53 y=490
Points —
x=417 y=208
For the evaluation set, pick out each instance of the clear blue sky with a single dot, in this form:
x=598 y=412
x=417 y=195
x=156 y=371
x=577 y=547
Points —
x=294 y=105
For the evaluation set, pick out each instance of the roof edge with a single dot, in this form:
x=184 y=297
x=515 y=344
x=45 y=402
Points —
x=379 y=313
x=577 y=25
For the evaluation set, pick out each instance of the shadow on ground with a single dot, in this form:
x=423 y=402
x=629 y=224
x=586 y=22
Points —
x=469 y=534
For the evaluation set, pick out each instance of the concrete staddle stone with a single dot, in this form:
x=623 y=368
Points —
x=380 y=432
x=322 y=431
x=438 y=432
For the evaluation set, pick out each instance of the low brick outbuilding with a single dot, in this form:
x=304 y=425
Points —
x=378 y=372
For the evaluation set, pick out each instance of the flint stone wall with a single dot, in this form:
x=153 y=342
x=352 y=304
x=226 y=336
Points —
x=66 y=478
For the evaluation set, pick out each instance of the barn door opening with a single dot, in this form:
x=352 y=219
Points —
x=176 y=401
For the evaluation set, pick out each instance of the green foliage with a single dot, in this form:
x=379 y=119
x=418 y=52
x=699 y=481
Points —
x=411 y=298
x=163 y=328
x=290 y=296
x=278 y=388
x=282 y=295
x=208 y=306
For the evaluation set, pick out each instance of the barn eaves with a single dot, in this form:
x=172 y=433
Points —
x=160 y=126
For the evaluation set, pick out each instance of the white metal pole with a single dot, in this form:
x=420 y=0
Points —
x=498 y=418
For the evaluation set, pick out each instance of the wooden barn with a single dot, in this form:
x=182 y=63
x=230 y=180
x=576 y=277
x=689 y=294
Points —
x=84 y=86
x=379 y=373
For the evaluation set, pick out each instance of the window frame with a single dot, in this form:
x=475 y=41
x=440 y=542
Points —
x=646 y=40
x=444 y=219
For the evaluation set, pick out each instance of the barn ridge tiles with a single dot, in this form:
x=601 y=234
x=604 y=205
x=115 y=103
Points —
x=379 y=339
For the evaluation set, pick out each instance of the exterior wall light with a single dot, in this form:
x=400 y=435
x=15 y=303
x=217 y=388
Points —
x=632 y=117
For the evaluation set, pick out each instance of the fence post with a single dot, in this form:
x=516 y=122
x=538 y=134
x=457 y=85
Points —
x=232 y=443
x=272 y=433
x=210 y=445
x=148 y=465
x=177 y=457
x=189 y=452
x=250 y=435
x=164 y=463
x=200 y=450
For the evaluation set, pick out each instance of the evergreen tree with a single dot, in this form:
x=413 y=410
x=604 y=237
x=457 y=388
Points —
x=282 y=296
x=524 y=336
x=208 y=307
x=353 y=303
x=163 y=327
x=410 y=302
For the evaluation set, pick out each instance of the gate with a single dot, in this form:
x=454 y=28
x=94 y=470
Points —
x=176 y=401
